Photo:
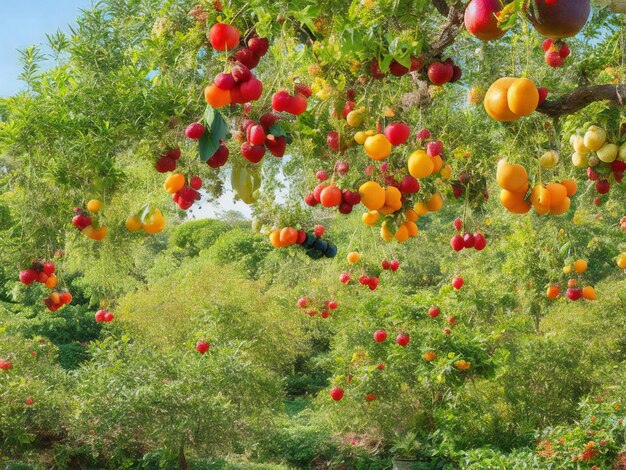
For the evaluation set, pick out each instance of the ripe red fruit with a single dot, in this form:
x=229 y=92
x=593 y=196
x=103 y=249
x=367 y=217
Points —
x=547 y=44
x=351 y=197
x=342 y=167
x=325 y=313
x=397 y=133
x=65 y=297
x=319 y=230
x=302 y=302
x=246 y=57
x=297 y=105
x=108 y=317
x=345 y=208
x=380 y=366
x=281 y=100
x=5 y=365
x=165 y=164
x=336 y=393
x=370 y=397
x=457 y=282
x=81 y=221
x=385 y=264
x=409 y=185
x=173 y=153
x=365 y=280
x=452 y=321
x=397 y=69
x=195 y=182
x=574 y=294
x=28 y=276
x=225 y=81
x=434 y=148
x=457 y=190
x=321 y=175
x=344 y=278
x=433 y=312
x=42 y=277
x=194 y=131
x=481 y=21
x=349 y=106
x=394 y=265
x=456 y=242
x=240 y=72
x=543 y=94
x=447 y=331
x=457 y=73
x=591 y=174
x=330 y=196
x=603 y=186
x=458 y=224
x=252 y=153
x=377 y=74
x=256 y=134
x=223 y=36
x=564 y=51
x=440 y=73
x=317 y=191
x=202 y=347
x=310 y=200
x=402 y=339
x=597 y=201
x=29 y=401
x=553 y=59
x=369 y=169
x=259 y=46
x=268 y=120
x=423 y=134
x=303 y=90
x=332 y=139
x=301 y=237
x=480 y=241
x=373 y=283
x=333 y=304
x=219 y=158
x=252 y=89
x=468 y=240
x=100 y=315
x=276 y=145
x=48 y=268
x=380 y=335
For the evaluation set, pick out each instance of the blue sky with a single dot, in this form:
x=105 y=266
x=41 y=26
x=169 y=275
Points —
x=26 y=22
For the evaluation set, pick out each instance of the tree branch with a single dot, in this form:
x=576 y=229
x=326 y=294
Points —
x=450 y=30
x=441 y=6
x=581 y=98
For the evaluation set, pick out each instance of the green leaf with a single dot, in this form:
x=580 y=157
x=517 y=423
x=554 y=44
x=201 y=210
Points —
x=276 y=130
x=209 y=116
x=216 y=132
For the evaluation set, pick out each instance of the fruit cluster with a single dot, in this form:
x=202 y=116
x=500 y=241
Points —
x=604 y=160
x=56 y=300
x=296 y=103
x=316 y=248
x=167 y=161
x=313 y=308
x=83 y=220
x=102 y=316
x=182 y=193
x=440 y=73
x=41 y=271
x=395 y=68
x=259 y=137
x=572 y=292
x=5 y=364
x=555 y=52
x=150 y=221
x=474 y=240
x=509 y=98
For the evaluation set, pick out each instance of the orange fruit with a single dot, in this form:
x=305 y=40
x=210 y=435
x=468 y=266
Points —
x=377 y=147
x=133 y=224
x=420 y=208
x=95 y=234
x=589 y=293
x=430 y=356
x=217 y=97
x=402 y=234
x=94 y=206
x=55 y=298
x=288 y=236
x=462 y=365
x=154 y=223
x=621 y=261
x=561 y=208
x=522 y=97
x=393 y=198
x=434 y=203
x=410 y=215
x=570 y=186
x=580 y=266
x=370 y=218
x=514 y=202
x=540 y=199
x=553 y=292
x=52 y=281
x=174 y=183
x=385 y=233
x=330 y=196
x=412 y=228
x=496 y=100
x=558 y=193
x=512 y=177
x=438 y=162
x=372 y=195
x=354 y=257
x=275 y=238
x=420 y=164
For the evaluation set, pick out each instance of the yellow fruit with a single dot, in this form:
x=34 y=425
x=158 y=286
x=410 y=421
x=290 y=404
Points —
x=360 y=137
x=594 y=138
x=372 y=195
x=608 y=152
x=578 y=142
x=402 y=234
x=522 y=97
x=133 y=224
x=370 y=218
x=621 y=261
x=377 y=147
x=94 y=206
x=446 y=172
x=389 y=112
x=462 y=365
x=567 y=269
x=475 y=95
x=579 y=160
x=385 y=233
x=621 y=155
x=580 y=266
x=420 y=208
x=549 y=159
x=420 y=164
x=354 y=257
x=434 y=203
x=95 y=234
x=355 y=117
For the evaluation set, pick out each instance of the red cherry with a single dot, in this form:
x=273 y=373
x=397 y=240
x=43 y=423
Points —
x=394 y=265
x=433 y=312
x=456 y=242
x=165 y=164
x=256 y=134
x=380 y=335
x=423 y=134
x=468 y=240
x=409 y=185
x=108 y=317
x=543 y=94
x=100 y=315
x=29 y=401
x=385 y=264
x=28 y=276
x=219 y=158
x=397 y=133
x=225 y=81
x=457 y=282
x=321 y=175
x=365 y=280
x=333 y=304
x=434 y=148
x=402 y=339
x=302 y=302
x=223 y=37
x=480 y=242
x=195 y=182
x=547 y=44
x=336 y=393
x=373 y=283
x=344 y=278
x=202 y=347
x=440 y=73
x=310 y=200
x=447 y=331
x=194 y=131
x=332 y=139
